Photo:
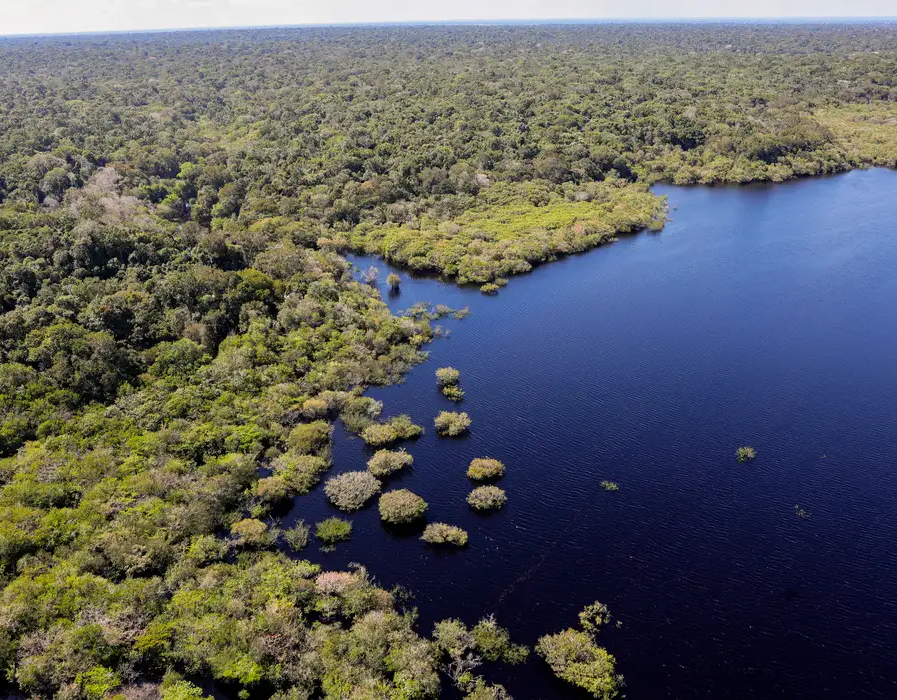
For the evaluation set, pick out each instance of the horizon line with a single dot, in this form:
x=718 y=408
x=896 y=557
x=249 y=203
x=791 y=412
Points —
x=785 y=19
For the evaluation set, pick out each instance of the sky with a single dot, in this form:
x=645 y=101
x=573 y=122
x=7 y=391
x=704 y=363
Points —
x=69 y=16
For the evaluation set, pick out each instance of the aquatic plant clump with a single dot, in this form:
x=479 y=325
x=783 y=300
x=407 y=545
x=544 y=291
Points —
x=451 y=423
x=394 y=281
x=393 y=430
x=487 y=498
x=453 y=393
x=350 y=491
x=447 y=376
x=442 y=533
x=483 y=468
x=296 y=537
x=745 y=454
x=333 y=530
x=401 y=507
x=610 y=485
x=575 y=656
x=386 y=462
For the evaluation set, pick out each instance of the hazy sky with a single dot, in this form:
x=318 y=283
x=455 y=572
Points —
x=46 y=16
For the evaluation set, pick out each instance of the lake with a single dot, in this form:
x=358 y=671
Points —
x=763 y=315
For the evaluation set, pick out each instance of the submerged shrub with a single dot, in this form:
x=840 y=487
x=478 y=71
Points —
x=393 y=280
x=610 y=486
x=489 y=288
x=451 y=423
x=447 y=376
x=483 y=468
x=574 y=655
x=333 y=530
x=745 y=454
x=393 y=430
x=487 y=498
x=454 y=393
x=442 y=533
x=576 y=658
x=296 y=537
x=386 y=462
x=401 y=506
x=350 y=491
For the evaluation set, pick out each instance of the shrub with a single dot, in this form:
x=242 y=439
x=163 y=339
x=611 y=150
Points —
x=483 y=468
x=350 y=491
x=251 y=533
x=310 y=438
x=745 y=454
x=301 y=472
x=487 y=498
x=386 y=462
x=333 y=530
x=315 y=408
x=398 y=428
x=576 y=658
x=401 y=506
x=296 y=537
x=454 y=393
x=450 y=423
x=393 y=280
x=489 y=288
x=447 y=376
x=273 y=489
x=610 y=486
x=442 y=533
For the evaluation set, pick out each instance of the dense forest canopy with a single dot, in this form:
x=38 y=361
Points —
x=176 y=313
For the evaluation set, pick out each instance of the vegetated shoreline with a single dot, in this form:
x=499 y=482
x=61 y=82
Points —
x=175 y=314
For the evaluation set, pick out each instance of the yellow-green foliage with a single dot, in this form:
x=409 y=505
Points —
x=451 y=423
x=575 y=656
x=482 y=468
x=487 y=498
x=333 y=530
x=395 y=429
x=515 y=227
x=866 y=132
x=386 y=462
x=442 y=533
x=401 y=506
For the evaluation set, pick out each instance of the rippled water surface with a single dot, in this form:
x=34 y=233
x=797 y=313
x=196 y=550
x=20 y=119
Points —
x=762 y=316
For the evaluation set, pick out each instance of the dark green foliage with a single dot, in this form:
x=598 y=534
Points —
x=175 y=316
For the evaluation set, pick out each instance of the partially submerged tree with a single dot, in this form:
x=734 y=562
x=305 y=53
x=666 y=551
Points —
x=401 y=507
x=487 y=498
x=351 y=490
x=451 y=423
x=442 y=533
x=386 y=462
x=575 y=656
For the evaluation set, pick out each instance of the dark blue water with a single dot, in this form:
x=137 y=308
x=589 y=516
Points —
x=760 y=316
